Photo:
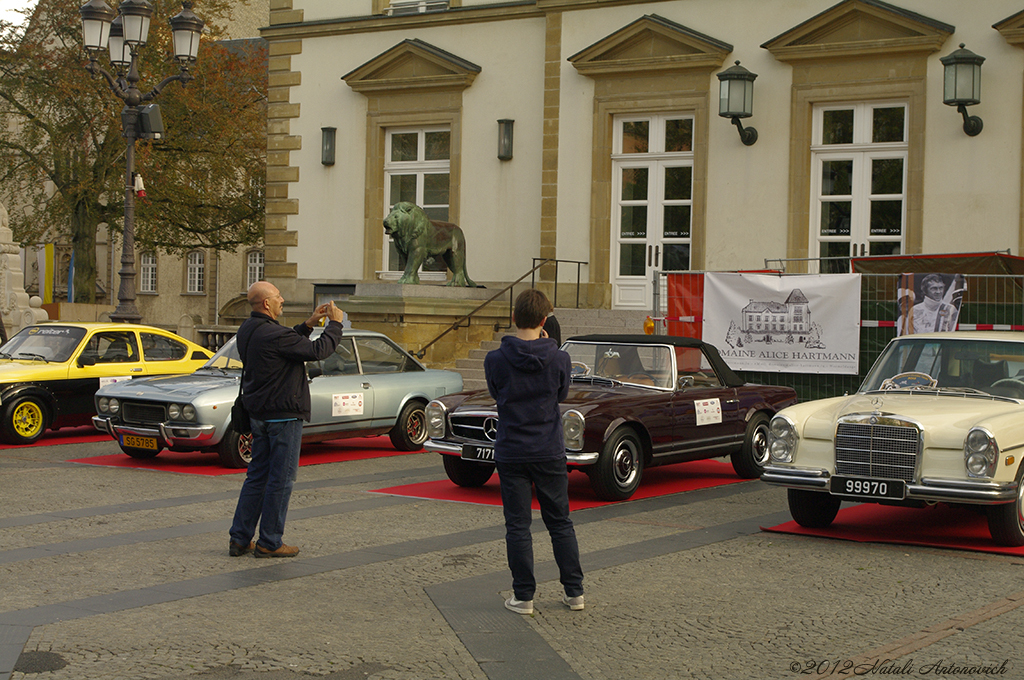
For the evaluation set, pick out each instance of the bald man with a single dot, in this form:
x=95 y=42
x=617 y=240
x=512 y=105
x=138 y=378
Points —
x=276 y=394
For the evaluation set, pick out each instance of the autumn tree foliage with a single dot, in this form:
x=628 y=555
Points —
x=62 y=153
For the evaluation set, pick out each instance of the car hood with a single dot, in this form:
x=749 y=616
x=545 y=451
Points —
x=171 y=387
x=28 y=371
x=944 y=418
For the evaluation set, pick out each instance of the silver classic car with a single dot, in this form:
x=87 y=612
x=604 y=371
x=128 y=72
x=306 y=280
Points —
x=939 y=418
x=369 y=386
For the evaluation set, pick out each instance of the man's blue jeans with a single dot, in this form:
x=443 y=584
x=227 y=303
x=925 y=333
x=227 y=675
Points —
x=551 y=481
x=268 y=482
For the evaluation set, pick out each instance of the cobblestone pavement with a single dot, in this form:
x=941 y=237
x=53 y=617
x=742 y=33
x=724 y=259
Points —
x=118 y=573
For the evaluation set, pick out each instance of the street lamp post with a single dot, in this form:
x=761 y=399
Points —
x=126 y=32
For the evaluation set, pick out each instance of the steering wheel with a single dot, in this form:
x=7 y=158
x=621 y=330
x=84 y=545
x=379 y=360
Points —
x=640 y=378
x=1008 y=387
x=579 y=368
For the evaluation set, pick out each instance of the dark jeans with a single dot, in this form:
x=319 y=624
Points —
x=268 y=482
x=551 y=480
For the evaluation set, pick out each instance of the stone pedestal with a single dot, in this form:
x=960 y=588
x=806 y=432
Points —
x=414 y=315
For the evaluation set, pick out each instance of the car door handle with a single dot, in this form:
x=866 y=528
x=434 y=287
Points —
x=135 y=370
x=366 y=385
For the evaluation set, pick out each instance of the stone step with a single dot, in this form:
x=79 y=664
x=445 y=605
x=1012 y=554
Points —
x=468 y=385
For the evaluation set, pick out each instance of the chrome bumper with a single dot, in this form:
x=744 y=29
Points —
x=195 y=436
x=979 y=491
x=574 y=458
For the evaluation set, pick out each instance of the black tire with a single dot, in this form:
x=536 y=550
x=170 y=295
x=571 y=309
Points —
x=467 y=473
x=813 y=509
x=616 y=475
x=1006 y=521
x=235 y=450
x=410 y=430
x=750 y=460
x=140 y=454
x=25 y=420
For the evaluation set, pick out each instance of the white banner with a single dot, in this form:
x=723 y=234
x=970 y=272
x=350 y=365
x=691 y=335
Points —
x=789 y=324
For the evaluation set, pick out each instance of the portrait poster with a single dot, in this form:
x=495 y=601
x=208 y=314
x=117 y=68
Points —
x=786 y=324
x=929 y=303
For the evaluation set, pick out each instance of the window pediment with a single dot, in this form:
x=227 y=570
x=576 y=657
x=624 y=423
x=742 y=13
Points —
x=650 y=44
x=858 y=28
x=1012 y=29
x=413 y=64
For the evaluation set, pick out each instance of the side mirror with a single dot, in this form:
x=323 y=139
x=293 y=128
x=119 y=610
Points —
x=84 y=361
x=684 y=381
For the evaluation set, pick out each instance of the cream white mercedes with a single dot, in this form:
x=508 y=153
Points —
x=938 y=419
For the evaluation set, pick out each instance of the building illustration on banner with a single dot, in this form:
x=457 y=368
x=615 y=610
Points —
x=769 y=321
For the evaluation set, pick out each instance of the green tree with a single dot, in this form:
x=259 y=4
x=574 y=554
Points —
x=62 y=160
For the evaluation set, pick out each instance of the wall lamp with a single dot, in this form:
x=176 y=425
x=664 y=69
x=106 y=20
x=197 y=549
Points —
x=328 y=135
x=505 y=139
x=736 y=99
x=961 y=85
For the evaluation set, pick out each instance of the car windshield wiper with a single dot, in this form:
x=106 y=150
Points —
x=4 y=355
x=37 y=357
x=597 y=378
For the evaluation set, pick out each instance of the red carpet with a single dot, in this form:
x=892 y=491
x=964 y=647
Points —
x=209 y=464
x=938 y=526
x=69 y=435
x=659 y=481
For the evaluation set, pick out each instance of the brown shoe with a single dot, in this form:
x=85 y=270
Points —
x=283 y=551
x=236 y=550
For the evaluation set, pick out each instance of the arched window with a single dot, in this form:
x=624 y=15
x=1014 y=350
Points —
x=147 y=272
x=195 y=272
x=253 y=267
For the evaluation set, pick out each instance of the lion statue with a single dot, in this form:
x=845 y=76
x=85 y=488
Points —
x=418 y=237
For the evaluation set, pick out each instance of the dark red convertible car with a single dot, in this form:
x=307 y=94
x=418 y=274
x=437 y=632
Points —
x=636 y=401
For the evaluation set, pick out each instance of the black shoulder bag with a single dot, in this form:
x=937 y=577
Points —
x=239 y=414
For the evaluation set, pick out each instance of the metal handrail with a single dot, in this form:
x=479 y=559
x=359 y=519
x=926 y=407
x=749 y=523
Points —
x=458 y=322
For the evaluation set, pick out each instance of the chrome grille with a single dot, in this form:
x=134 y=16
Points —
x=877 y=451
x=471 y=426
x=134 y=412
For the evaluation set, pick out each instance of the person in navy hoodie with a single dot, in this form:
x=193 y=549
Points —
x=528 y=376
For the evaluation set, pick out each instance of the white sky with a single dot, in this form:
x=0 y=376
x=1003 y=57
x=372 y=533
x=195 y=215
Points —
x=7 y=5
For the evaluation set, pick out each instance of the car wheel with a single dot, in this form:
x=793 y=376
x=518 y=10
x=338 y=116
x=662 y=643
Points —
x=813 y=509
x=1006 y=521
x=140 y=454
x=466 y=472
x=750 y=460
x=25 y=420
x=617 y=473
x=410 y=430
x=235 y=450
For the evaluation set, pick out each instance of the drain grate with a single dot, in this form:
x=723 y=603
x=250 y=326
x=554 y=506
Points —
x=39 y=662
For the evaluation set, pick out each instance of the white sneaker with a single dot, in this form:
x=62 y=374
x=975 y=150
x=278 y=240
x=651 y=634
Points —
x=573 y=603
x=519 y=606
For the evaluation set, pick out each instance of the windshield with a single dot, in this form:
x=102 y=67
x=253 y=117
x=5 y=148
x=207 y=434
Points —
x=226 y=357
x=49 y=343
x=637 y=364
x=992 y=366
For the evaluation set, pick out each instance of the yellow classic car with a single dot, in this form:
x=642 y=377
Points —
x=939 y=418
x=49 y=372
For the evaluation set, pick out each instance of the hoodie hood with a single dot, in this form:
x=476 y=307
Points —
x=528 y=356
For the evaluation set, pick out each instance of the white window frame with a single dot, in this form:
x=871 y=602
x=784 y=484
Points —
x=420 y=167
x=862 y=152
x=656 y=160
x=195 y=272
x=147 y=272
x=254 y=267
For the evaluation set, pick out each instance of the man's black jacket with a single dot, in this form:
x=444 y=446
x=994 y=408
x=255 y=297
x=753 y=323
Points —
x=274 y=383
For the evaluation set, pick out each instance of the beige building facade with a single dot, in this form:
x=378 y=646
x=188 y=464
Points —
x=619 y=156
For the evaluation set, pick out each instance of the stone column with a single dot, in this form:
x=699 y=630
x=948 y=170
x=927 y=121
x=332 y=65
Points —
x=14 y=301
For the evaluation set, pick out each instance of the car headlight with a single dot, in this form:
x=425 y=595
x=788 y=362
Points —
x=981 y=453
x=102 y=404
x=188 y=412
x=436 y=412
x=782 y=439
x=572 y=430
x=114 y=405
x=173 y=411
